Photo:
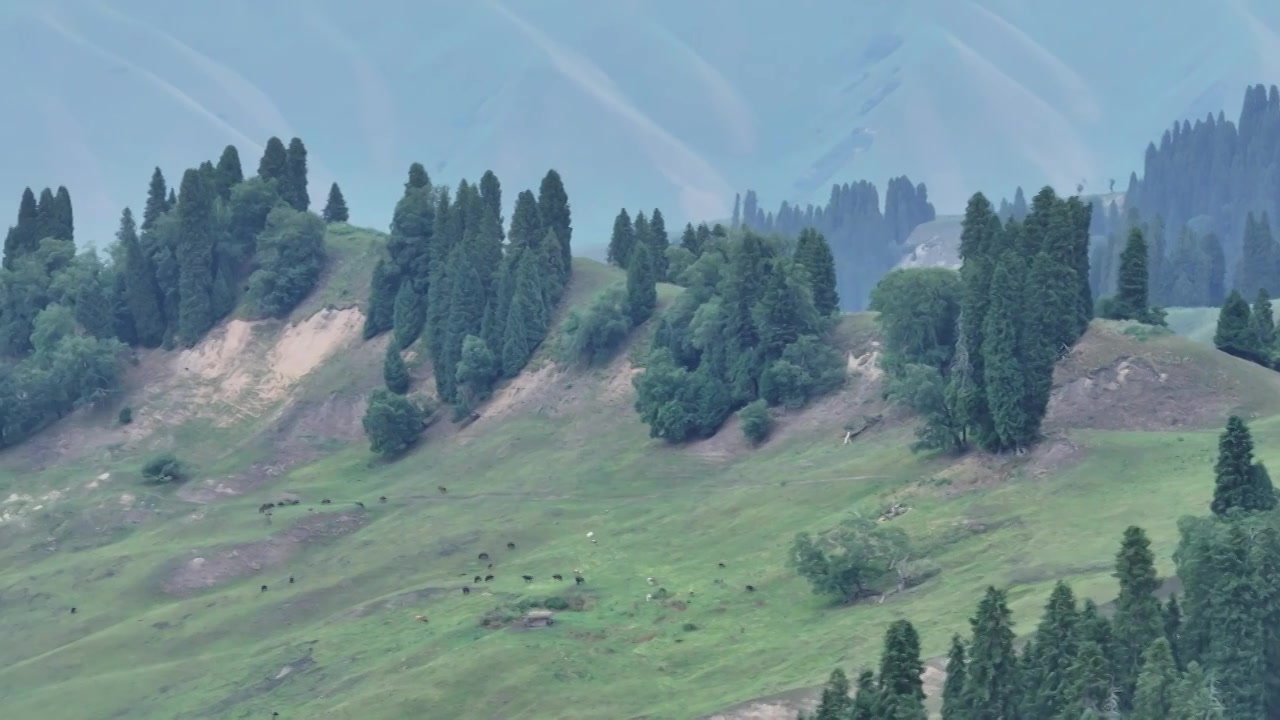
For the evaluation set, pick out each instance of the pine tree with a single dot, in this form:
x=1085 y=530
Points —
x=621 y=241
x=1157 y=683
x=992 y=686
x=835 y=703
x=1138 y=620
x=1195 y=697
x=293 y=186
x=1236 y=333
x=383 y=289
x=1240 y=484
x=275 y=163
x=172 y=201
x=157 y=201
x=1216 y=268
x=1238 y=640
x=659 y=242
x=491 y=198
x=980 y=243
x=1131 y=289
x=553 y=272
x=1091 y=688
x=418 y=178
x=1048 y=669
x=1002 y=353
x=814 y=255
x=22 y=239
x=394 y=372
x=1264 y=323
x=62 y=224
x=901 y=689
x=335 y=209
x=526 y=224
x=953 y=698
x=142 y=294
x=864 y=702
x=642 y=290
x=553 y=208
x=466 y=313
x=195 y=258
x=408 y=316
x=229 y=171
x=1258 y=256
x=526 y=319
x=1173 y=628
x=689 y=240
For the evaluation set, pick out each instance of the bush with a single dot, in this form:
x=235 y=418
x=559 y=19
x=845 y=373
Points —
x=555 y=603
x=126 y=415
x=592 y=336
x=289 y=259
x=689 y=627
x=756 y=422
x=392 y=422
x=163 y=469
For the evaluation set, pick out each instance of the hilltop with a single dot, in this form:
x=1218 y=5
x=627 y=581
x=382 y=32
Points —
x=914 y=88
x=171 y=620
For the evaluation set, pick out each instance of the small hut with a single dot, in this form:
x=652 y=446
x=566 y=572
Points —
x=538 y=619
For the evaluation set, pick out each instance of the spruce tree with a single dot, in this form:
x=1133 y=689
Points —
x=229 y=171
x=418 y=178
x=814 y=255
x=274 y=164
x=142 y=294
x=1138 y=619
x=553 y=272
x=553 y=208
x=659 y=242
x=394 y=372
x=1091 y=688
x=1131 y=287
x=621 y=241
x=864 y=701
x=835 y=703
x=491 y=198
x=954 y=705
x=408 y=316
x=1239 y=484
x=335 y=208
x=1264 y=323
x=172 y=201
x=1048 y=670
x=1003 y=351
x=689 y=240
x=62 y=224
x=1173 y=628
x=1157 y=683
x=466 y=313
x=980 y=243
x=901 y=691
x=382 y=300
x=195 y=258
x=992 y=686
x=1238 y=640
x=642 y=290
x=1048 y=327
x=157 y=201
x=1195 y=697
x=526 y=317
x=22 y=239
x=526 y=224
x=1236 y=333
x=293 y=186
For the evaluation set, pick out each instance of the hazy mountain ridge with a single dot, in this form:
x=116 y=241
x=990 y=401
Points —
x=656 y=102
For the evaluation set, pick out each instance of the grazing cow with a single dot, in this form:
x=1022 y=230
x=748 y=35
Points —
x=264 y=588
x=579 y=580
x=489 y=566
x=527 y=578
x=650 y=581
x=751 y=588
x=360 y=504
x=325 y=501
x=557 y=576
x=478 y=579
x=720 y=564
x=442 y=489
x=511 y=546
x=466 y=590
x=382 y=498
x=483 y=556
x=73 y=611
x=488 y=578
x=290 y=579
x=420 y=618
x=265 y=507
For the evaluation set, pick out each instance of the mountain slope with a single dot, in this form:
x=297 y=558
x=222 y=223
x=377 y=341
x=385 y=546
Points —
x=172 y=622
x=663 y=102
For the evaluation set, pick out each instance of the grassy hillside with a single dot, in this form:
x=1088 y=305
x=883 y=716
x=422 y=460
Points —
x=862 y=91
x=171 y=620
x=1199 y=324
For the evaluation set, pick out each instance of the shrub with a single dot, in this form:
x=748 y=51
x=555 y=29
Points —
x=392 y=422
x=289 y=259
x=689 y=627
x=126 y=415
x=592 y=336
x=555 y=603
x=162 y=469
x=756 y=422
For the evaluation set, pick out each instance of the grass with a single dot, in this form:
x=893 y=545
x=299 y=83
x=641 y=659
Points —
x=1199 y=323
x=342 y=642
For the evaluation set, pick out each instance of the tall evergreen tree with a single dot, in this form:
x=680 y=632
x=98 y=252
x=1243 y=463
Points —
x=394 y=372
x=835 y=703
x=954 y=701
x=554 y=272
x=1157 y=683
x=526 y=318
x=491 y=198
x=1259 y=256
x=1238 y=640
x=157 y=201
x=143 y=296
x=1092 y=690
x=553 y=208
x=418 y=177
x=1047 y=670
x=195 y=258
x=642 y=291
x=992 y=685
x=1138 y=620
x=22 y=238
x=466 y=313
x=1236 y=333
x=864 y=701
x=409 y=316
x=62 y=223
x=901 y=688
x=1003 y=348
x=814 y=255
x=621 y=241
x=172 y=201
x=526 y=224
x=659 y=242
x=293 y=186
x=689 y=240
x=383 y=290
x=1264 y=323
x=229 y=171
x=1216 y=268
x=1173 y=628
x=1132 y=290
x=274 y=164
x=980 y=243
x=1240 y=484
x=335 y=208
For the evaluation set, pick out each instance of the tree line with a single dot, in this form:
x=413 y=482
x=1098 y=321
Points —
x=1213 y=655
x=865 y=241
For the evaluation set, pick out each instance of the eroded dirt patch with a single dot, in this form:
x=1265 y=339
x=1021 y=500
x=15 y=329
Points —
x=210 y=567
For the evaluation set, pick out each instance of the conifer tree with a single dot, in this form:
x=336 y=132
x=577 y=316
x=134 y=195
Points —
x=1092 y=689
x=553 y=208
x=418 y=177
x=293 y=187
x=142 y=294
x=466 y=313
x=1003 y=349
x=1173 y=628
x=992 y=685
x=195 y=258
x=526 y=224
x=980 y=243
x=953 y=698
x=1238 y=640
x=383 y=289
x=526 y=318
x=1240 y=484
x=22 y=239
x=1131 y=288
x=172 y=201
x=1048 y=669
x=1258 y=258
x=408 y=316
x=621 y=241
x=835 y=703
x=274 y=164
x=1138 y=620
x=1264 y=323
x=229 y=171
x=689 y=240
x=157 y=201
x=1195 y=697
x=1236 y=333
x=491 y=198
x=394 y=372
x=1048 y=326
x=1157 y=683
x=901 y=689
x=554 y=273
x=659 y=242
x=642 y=291
x=61 y=223
x=814 y=255
x=864 y=702
x=335 y=208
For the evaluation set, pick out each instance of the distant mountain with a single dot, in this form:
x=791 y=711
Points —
x=658 y=103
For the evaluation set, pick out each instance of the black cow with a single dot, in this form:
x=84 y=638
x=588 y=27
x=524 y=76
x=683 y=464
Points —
x=478 y=579
x=442 y=489
x=382 y=498
x=325 y=501
x=360 y=504
x=751 y=588
x=720 y=564
x=264 y=588
x=73 y=611
x=488 y=578
x=511 y=546
x=527 y=578
x=290 y=579
x=579 y=580
x=483 y=556
x=466 y=590
x=557 y=576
